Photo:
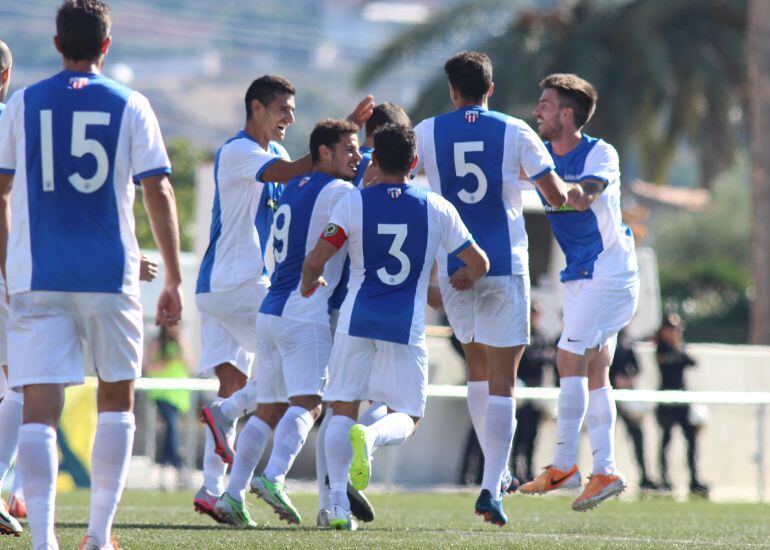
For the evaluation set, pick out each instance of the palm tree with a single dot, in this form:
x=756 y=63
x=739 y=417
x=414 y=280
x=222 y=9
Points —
x=671 y=71
x=758 y=50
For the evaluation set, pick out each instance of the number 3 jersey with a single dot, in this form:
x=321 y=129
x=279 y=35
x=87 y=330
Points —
x=393 y=233
x=473 y=158
x=73 y=143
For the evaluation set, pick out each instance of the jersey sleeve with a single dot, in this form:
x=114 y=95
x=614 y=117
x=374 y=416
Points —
x=533 y=156
x=8 y=136
x=337 y=230
x=602 y=164
x=148 y=152
x=455 y=236
x=249 y=160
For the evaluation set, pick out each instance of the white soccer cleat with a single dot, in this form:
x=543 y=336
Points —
x=323 y=519
x=9 y=525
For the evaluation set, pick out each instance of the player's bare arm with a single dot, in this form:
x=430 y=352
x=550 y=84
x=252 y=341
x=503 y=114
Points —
x=313 y=267
x=6 y=182
x=434 y=292
x=161 y=208
x=476 y=266
x=148 y=269
x=283 y=171
x=582 y=195
x=552 y=188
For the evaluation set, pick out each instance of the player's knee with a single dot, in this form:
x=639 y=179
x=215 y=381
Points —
x=270 y=413
x=311 y=403
x=43 y=404
x=230 y=379
x=115 y=396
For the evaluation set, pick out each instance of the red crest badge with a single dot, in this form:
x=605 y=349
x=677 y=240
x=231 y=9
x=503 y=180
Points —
x=78 y=82
x=394 y=192
x=471 y=116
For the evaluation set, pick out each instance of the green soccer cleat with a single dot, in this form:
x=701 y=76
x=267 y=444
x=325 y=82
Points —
x=342 y=520
x=233 y=511
x=274 y=493
x=361 y=467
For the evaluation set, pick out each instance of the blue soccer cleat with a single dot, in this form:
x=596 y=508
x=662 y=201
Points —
x=491 y=509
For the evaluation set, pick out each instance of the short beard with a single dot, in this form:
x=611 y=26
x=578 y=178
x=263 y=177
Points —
x=554 y=133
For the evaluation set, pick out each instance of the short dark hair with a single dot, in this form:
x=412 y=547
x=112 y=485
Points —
x=82 y=26
x=385 y=113
x=574 y=93
x=265 y=89
x=470 y=73
x=329 y=132
x=395 y=146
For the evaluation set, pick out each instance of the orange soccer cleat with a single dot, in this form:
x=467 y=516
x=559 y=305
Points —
x=16 y=507
x=89 y=543
x=551 y=479
x=599 y=488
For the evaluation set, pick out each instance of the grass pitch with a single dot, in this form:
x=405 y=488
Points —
x=154 y=520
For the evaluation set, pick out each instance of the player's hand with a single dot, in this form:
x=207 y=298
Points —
x=434 y=297
x=169 y=306
x=575 y=196
x=307 y=290
x=148 y=269
x=363 y=111
x=462 y=279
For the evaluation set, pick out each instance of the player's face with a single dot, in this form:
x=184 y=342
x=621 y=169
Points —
x=549 y=115
x=345 y=158
x=278 y=116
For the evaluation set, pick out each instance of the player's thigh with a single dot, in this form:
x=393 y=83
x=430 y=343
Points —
x=501 y=311
x=270 y=385
x=401 y=373
x=43 y=340
x=111 y=329
x=350 y=367
x=458 y=306
x=305 y=349
x=218 y=347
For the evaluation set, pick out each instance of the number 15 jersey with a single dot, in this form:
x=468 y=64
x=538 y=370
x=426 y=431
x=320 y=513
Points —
x=473 y=157
x=73 y=143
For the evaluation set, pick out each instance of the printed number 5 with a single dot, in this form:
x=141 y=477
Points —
x=463 y=168
x=399 y=231
x=80 y=146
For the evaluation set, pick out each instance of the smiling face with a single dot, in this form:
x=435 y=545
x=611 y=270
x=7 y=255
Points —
x=341 y=159
x=551 y=118
x=273 y=119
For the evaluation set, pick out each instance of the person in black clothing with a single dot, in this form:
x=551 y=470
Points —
x=623 y=373
x=672 y=361
x=537 y=356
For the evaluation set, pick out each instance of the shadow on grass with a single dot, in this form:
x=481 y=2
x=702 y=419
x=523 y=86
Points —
x=265 y=528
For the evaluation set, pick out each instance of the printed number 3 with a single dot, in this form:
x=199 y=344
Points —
x=81 y=146
x=463 y=168
x=399 y=231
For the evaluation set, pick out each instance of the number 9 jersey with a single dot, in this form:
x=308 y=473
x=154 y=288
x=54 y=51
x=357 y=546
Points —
x=73 y=143
x=472 y=157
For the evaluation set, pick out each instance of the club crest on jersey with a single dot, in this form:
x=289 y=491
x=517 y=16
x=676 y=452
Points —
x=78 y=82
x=303 y=181
x=471 y=116
x=394 y=192
x=331 y=230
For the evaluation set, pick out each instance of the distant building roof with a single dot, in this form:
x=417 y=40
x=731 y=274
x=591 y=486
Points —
x=687 y=198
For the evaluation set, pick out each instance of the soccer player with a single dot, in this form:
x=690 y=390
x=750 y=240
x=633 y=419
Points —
x=69 y=147
x=392 y=232
x=600 y=288
x=473 y=157
x=294 y=340
x=11 y=401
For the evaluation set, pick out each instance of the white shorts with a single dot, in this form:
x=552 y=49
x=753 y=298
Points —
x=4 y=310
x=387 y=372
x=494 y=312
x=49 y=333
x=595 y=311
x=293 y=356
x=229 y=326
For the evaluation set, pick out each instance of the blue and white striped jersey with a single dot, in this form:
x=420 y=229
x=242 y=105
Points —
x=473 y=157
x=74 y=142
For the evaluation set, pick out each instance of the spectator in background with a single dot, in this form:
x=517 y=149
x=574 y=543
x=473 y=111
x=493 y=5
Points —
x=623 y=373
x=672 y=360
x=167 y=361
x=537 y=356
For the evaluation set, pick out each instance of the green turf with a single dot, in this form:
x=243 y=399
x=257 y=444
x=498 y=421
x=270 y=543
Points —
x=153 y=520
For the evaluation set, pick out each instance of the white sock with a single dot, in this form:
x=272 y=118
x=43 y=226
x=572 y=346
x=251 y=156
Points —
x=290 y=435
x=321 y=472
x=392 y=429
x=478 y=392
x=16 y=487
x=214 y=468
x=500 y=425
x=371 y=415
x=242 y=402
x=339 y=455
x=573 y=403
x=601 y=418
x=248 y=452
x=39 y=463
x=109 y=467
x=10 y=421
